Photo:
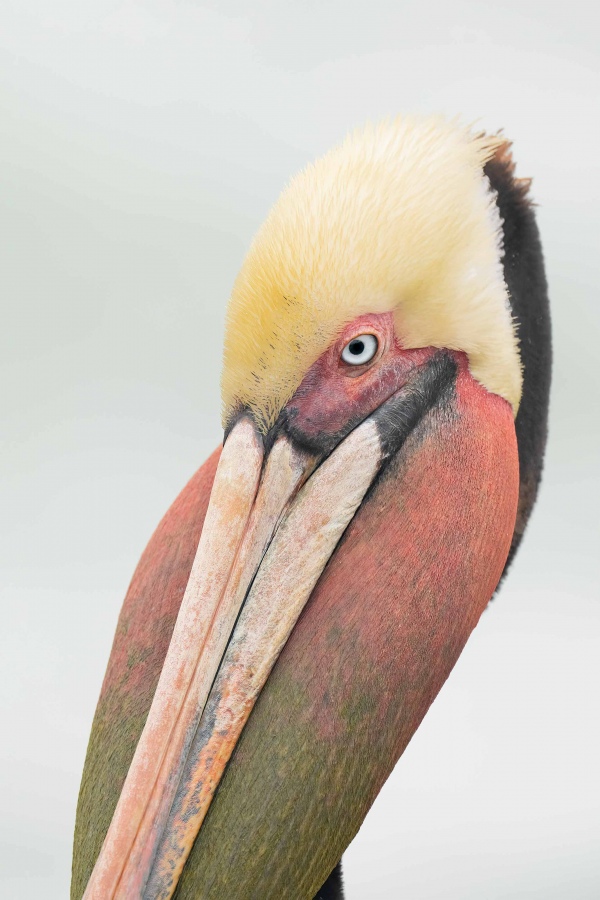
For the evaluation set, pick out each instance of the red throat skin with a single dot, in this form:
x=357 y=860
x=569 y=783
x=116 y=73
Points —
x=414 y=572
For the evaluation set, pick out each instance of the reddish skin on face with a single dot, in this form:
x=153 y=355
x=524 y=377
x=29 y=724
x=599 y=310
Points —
x=379 y=636
x=334 y=396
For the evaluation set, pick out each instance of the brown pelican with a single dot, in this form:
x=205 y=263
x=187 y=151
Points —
x=385 y=387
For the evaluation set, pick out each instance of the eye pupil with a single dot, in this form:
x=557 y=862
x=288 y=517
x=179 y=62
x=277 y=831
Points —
x=356 y=347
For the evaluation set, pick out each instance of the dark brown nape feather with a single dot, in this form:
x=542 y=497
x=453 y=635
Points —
x=526 y=281
x=333 y=888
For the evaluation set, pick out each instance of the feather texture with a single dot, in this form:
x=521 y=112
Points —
x=400 y=217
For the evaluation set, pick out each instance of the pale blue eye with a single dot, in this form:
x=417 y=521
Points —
x=360 y=350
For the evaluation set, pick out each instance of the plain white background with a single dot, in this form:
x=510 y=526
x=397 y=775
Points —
x=141 y=145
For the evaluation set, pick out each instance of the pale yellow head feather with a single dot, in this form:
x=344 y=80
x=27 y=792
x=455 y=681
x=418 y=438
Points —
x=398 y=217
